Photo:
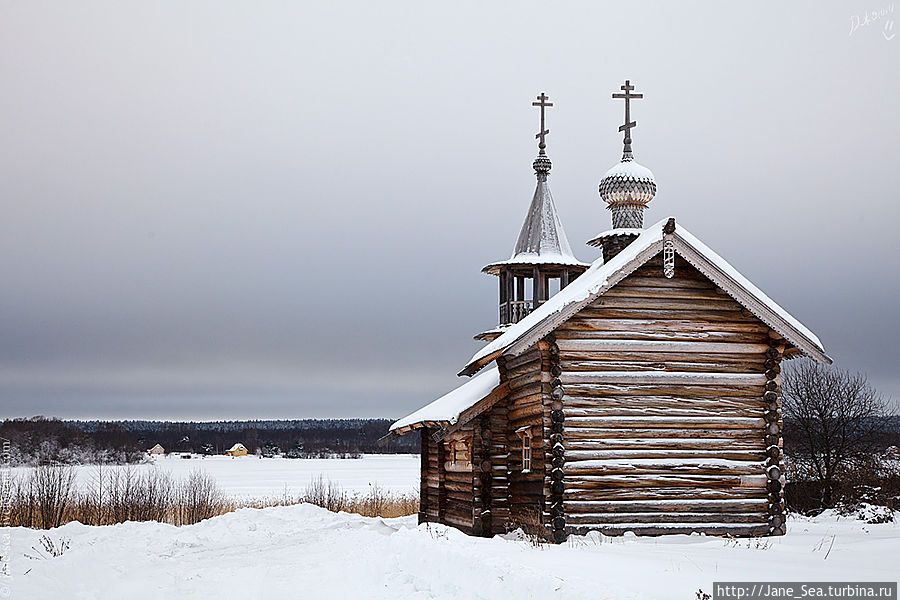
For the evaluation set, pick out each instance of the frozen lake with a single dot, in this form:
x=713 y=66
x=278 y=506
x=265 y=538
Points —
x=253 y=477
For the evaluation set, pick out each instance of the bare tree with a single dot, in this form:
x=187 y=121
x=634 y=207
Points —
x=833 y=420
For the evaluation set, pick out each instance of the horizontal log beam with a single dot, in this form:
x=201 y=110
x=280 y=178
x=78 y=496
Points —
x=686 y=504
x=638 y=280
x=673 y=493
x=663 y=378
x=722 y=529
x=574 y=332
x=691 y=467
x=648 y=346
x=719 y=304
x=656 y=519
x=581 y=322
x=710 y=316
x=590 y=481
x=723 y=451
x=595 y=432
x=638 y=390
x=669 y=422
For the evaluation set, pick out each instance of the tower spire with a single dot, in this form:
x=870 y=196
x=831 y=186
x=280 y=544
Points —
x=629 y=124
x=542 y=253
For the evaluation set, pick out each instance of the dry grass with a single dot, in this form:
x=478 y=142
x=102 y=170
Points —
x=47 y=497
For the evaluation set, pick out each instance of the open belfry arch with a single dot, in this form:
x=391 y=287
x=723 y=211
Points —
x=643 y=396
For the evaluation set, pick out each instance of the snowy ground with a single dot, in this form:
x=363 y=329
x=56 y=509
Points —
x=252 y=477
x=306 y=552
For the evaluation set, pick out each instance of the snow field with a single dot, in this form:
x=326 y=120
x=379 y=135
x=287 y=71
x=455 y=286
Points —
x=249 y=477
x=307 y=552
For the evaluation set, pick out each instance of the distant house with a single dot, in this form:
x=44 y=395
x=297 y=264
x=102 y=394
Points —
x=236 y=450
x=156 y=450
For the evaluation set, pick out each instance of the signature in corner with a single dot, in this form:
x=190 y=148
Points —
x=871 y=16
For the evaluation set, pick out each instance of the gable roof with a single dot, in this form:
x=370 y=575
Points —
x=602 y=276
x=448 y=408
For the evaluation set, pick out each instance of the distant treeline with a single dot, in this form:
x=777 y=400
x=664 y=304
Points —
x=40 y=440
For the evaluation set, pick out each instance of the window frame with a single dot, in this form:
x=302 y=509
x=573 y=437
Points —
x=525 y=435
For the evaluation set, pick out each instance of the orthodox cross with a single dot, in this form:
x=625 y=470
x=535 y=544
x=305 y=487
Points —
x=628 y=97
x=543 y=104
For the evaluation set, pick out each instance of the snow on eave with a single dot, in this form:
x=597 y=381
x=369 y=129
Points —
x=734 y=283
x=600 y=277
x=450 y=406
x=535 y=259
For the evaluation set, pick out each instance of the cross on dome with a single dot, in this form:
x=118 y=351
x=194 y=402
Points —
x=629 y=124
x=542 y=102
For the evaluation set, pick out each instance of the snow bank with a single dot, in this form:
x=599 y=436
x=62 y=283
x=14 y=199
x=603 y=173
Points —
x=306 y=552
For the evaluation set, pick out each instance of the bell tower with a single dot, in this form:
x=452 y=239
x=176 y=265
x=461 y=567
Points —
x=542 y=258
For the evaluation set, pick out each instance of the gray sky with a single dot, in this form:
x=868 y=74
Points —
x=266 y=209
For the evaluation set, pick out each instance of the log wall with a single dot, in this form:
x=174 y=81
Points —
x=528 y=389
x=665 y=420
x=458 y=506
x=495 y=466
x=429 y=479
x=446 y=494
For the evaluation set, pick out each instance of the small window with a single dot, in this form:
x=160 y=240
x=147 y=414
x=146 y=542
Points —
x=458 y=456
x=460 y=452
x=526 y=453
x=525 y=434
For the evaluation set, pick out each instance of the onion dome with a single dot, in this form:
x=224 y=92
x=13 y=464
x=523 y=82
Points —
x=627 y=188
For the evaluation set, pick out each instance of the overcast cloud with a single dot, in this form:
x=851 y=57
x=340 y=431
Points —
x=264 y=209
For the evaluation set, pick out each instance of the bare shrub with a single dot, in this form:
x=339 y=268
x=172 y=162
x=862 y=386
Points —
x=52 y=488
x=198 y=498
x=49 y=548
x=377 y=502
x=47 y=498
x=325 y=493
x=528 y=521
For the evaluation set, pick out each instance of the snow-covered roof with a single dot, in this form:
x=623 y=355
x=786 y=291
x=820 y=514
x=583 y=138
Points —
x=541 y=239
x=448 y=407
x=236 y=447
x=602 y=276
x=630 y=168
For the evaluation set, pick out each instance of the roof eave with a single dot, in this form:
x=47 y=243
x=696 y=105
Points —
x=753 y=304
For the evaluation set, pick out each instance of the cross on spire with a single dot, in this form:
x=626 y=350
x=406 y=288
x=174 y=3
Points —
x=543 y=104
x=629 y=124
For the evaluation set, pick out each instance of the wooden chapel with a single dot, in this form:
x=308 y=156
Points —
x=642 y=396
